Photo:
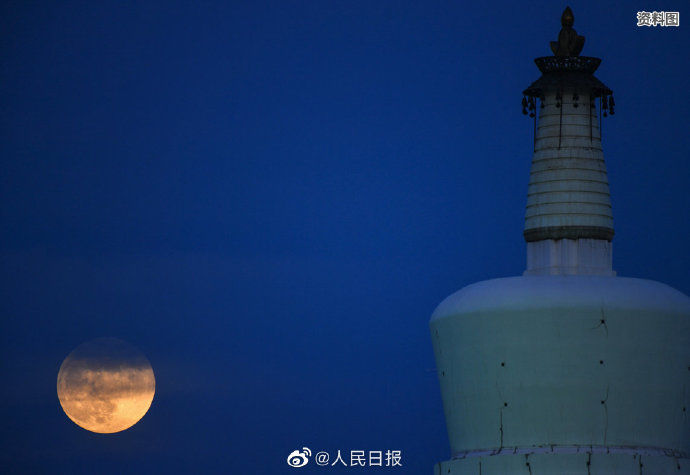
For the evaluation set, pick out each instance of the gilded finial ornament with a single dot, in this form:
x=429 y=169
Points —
x=569 y=42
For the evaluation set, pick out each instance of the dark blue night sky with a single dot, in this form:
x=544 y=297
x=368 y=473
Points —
x=270 y=198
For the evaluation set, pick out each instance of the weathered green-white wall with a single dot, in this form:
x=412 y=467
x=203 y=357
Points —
x=535 y=369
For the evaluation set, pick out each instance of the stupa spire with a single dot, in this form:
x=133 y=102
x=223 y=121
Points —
x=569 y=42
x=568 y=202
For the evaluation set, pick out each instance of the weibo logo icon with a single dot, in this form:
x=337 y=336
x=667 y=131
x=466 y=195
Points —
x=299 y=458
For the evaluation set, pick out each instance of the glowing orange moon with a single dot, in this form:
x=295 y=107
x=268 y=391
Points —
x=105 y=385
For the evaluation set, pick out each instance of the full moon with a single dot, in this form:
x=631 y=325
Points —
x=105 y=385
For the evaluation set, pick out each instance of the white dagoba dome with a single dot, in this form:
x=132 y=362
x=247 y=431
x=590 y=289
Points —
x=565 y=372
x=567 y=369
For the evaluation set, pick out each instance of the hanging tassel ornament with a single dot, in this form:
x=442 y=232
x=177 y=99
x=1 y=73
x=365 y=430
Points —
x=604 y=105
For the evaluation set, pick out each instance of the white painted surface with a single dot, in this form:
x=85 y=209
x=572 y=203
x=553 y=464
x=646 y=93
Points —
x=568 y=182
x=526 y=292
x=569 y=257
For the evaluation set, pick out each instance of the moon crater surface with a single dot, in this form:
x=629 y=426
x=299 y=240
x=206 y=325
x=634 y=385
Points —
x=105 y=385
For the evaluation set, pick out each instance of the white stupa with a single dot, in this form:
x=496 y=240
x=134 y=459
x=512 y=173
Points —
x=567 y=369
